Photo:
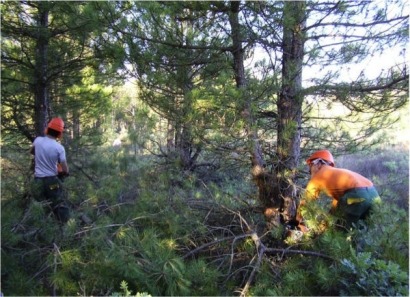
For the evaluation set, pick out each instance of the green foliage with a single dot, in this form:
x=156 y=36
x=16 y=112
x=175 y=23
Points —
x=135 y=236
x=145 y=217
x=369 y=260
x=126 y=292
x=136 y=217
x=365 y=275
x=62 y=63
x=142 y=223
x=393 y=246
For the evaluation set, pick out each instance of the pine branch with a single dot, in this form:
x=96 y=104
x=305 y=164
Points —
x=80 y=168
x=262 y=250
x=301 y=252
x=260 y=247
x=55 y=263
x=101 y=227
x=200 y=248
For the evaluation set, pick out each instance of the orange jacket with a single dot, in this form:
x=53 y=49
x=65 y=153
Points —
x=334 y=182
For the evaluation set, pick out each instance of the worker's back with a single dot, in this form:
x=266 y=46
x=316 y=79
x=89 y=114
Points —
x=335 y=182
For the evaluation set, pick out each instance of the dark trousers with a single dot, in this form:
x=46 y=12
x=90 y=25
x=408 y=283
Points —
x=356 y=203
x=51 y=189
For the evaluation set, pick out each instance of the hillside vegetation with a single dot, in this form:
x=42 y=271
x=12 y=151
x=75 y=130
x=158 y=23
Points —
x=141 y=226
x=185 y=126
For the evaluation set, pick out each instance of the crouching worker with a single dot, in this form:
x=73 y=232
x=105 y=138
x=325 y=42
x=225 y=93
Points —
x=50 y=166
x=353 y=195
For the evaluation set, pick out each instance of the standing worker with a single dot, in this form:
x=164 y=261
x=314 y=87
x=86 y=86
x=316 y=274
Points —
x=50 y=164
x=353 y=195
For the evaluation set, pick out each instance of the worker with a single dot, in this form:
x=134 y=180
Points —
x=353 y=195
x=50 y=166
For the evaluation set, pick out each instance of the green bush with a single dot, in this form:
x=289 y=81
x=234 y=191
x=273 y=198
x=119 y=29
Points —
x=142 y=218
x=139 y=223
x=369 y=260
x=363 y=275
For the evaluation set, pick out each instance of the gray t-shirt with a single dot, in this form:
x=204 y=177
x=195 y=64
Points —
x=48 y=153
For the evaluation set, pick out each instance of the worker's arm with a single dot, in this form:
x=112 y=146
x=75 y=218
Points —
x=334 y=206
x=311 y=193
x=64 y=167
x=32 y=148
x=62 y=160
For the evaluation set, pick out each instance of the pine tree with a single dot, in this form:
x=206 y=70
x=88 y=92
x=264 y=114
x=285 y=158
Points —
x=47 y=65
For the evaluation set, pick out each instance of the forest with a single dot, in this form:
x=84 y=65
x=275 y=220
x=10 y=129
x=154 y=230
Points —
x=187 y=129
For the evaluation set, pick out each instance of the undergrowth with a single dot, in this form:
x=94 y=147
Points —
x=142 y=228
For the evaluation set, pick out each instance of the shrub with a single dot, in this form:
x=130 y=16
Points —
x=370 y=259
x=363 y=275
x=144 y=217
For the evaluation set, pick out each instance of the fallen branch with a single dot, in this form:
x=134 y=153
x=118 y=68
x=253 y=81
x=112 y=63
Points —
x=97 y=228
x=56 y=253
x=194 y=251
x=261 y=248
x=307 y=253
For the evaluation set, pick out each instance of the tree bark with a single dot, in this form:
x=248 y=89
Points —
x=266 y=182
x=40 y=84
x=290 y=103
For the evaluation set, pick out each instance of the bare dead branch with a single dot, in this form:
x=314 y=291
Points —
x=194 y=251
x=260 y=247
x=301 y=252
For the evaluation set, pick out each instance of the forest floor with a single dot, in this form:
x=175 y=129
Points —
x=141 y=226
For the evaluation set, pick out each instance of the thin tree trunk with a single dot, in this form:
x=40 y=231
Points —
x=266 y=183
x=170 y=136
x=290 y=103
x=40 y=85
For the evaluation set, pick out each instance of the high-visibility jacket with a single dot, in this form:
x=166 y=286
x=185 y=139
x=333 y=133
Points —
x=334 y=182
x=352 y=193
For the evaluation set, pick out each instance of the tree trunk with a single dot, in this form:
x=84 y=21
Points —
x=179 y=134
x=170 y=136
x=290 y=104
x=76 y=125
x=266 y=183
x=40 y=84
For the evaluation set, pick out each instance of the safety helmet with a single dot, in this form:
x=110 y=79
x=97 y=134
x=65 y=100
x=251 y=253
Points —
x=56 y=124
x=322 y=154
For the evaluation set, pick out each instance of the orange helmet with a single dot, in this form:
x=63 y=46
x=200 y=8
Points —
x=322 y=154
x=56 y=124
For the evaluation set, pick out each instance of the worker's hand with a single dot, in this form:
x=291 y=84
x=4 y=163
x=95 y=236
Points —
x=302 y=228
x=63 y=174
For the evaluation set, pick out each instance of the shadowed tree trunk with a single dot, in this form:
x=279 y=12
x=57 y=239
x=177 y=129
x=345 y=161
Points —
x=40 y=84
x=290 y=104
x=266 y=182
